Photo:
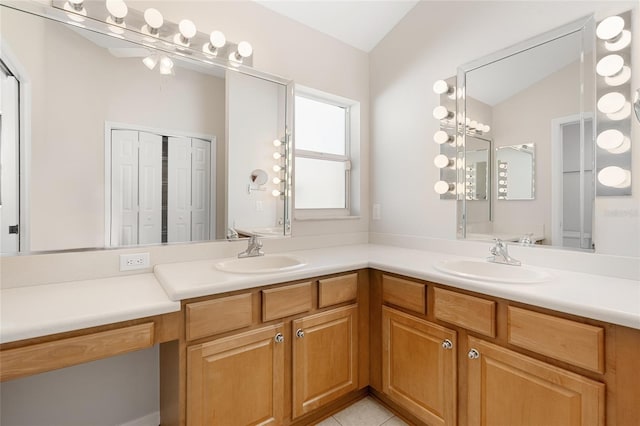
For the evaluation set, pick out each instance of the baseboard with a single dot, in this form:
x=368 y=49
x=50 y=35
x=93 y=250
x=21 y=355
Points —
x=152 y=419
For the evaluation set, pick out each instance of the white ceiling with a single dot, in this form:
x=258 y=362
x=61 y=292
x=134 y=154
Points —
x=359 y=23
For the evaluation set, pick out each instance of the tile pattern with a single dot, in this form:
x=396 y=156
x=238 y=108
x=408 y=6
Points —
x=366 y=412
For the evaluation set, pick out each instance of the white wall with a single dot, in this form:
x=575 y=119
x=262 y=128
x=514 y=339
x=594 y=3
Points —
x=429 y=44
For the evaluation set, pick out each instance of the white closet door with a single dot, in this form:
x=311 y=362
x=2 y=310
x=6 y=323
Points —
x=200 y=189
x=9 y=146
x=124 y=187
x=179 y=190
x=150 y=189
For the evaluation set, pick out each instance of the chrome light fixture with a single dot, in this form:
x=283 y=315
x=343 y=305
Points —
x=244 y=51
x=117 y=12
x=153 y=22
x=216 y=41
x=636 y=104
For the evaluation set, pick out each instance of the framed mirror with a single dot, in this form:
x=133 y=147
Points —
x=540 y=98
x=121 y=142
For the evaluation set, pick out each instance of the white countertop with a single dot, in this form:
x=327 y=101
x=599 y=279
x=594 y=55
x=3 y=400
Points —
x=28 y=312
x=609 y=299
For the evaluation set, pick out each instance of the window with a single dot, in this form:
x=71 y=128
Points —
x=323 y=155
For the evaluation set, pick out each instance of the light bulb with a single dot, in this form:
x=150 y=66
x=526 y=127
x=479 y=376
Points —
x=216 y=41
x=440 y=113
x=75 y=10
x=441 y=161
x=473 y=124
x=619 y=79
x=441 y=87
x=611 y=102
x=276 y=180
x=244 y=49
x=117 y=10
x=622 y=114
x=610 y=139
x=277 y=155
x=614 y=177
x=442 y=187
x=502 y=174
x=620 y=43
x=277 y=168
x=166 y=66
x=150 y=61
x=276 y=193
x=610 y=28
x=486 y=128
x=187 y=31
x=154 y=20
x=609 y=65
x=503 y=190
x=441 y=137
x=277 y=142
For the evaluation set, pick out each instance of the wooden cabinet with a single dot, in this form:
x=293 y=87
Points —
x=419 y=366
x=325 y=358
x=507 y=388
x=237 y=380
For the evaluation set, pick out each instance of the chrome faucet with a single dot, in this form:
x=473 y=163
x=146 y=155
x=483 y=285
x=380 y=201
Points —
x=500 y=254
x=254 y=248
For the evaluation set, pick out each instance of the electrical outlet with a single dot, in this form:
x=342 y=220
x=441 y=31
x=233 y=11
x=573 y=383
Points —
x=129 y=262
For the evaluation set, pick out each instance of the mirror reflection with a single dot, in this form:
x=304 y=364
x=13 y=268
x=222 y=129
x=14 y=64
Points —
x=541 y=126
x=122 y=151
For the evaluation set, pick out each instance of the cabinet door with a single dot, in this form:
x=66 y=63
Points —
x=507 y=388
x=237 y=380
x=325 y=354
x=419 y=366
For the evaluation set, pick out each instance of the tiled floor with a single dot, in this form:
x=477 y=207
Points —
x=366 y=412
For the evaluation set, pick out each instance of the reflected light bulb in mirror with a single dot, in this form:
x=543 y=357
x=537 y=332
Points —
x=153 y=21
x=441 y=161
x=610 y=28
x=615 y=177
x=441 y=137
x=442 y=187
x=277 y=155
x=611 y=102
x=277 y=168
x=151 y=61
x=486 y=128
x=187 y=31
x=277 y=142
x=276 y=193
x=276 y=180
x=441 y=113
x=620 y=78
x=610 y=139
x=622 y=114
x=620 y=43
x=166 y=66
x=610 y=65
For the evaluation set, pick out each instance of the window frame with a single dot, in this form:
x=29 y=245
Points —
x=325 y=213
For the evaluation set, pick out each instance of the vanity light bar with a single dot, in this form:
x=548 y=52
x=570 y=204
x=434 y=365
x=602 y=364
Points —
x=445 y=161
x=614 y=109
x=113 y=17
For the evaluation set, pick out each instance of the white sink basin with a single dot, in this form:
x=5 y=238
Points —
x=492 y=272
x=260 y=264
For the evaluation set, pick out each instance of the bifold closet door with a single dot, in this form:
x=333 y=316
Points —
x=124 y=187
x=150 y=189
x=200 y=189
x=179 y=190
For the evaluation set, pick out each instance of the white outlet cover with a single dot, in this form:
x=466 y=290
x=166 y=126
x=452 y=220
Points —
x=130 y=262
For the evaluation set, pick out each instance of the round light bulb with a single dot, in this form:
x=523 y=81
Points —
x=442 y=187
x=622 y=114
x=275 y=193
x=441 y=137
x=440 y=113
x=473 y=124
x=611 y=102
x=217 y=39
x=441 y=87
x=117 y=9
x=609 y=65
x=277 y=155
x=610 y=139
x=614 y=177
x=244 y=49
x=486 y=128
x=153 y=18
x=276 y=180
x=277 y=168
x=610 y=28
x=187 y=28
x=277 y=142
x=623 y=41
x=441 y=161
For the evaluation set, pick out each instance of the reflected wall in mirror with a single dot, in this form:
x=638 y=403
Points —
x=532 y=92
x=515 y=168
x=114 y=153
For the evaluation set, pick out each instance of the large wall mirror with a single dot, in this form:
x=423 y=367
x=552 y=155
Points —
x=111 y=153
x=540 y=97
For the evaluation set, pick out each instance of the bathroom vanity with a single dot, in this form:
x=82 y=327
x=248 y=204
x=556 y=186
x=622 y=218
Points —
x=293 y=347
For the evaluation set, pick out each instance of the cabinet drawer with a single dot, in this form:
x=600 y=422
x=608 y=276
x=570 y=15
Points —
x=62 y=353
x=472 y=313
x=219 y=315
x=285 y=301
x=332 y=291
x=403 y=293
x=573 y=342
